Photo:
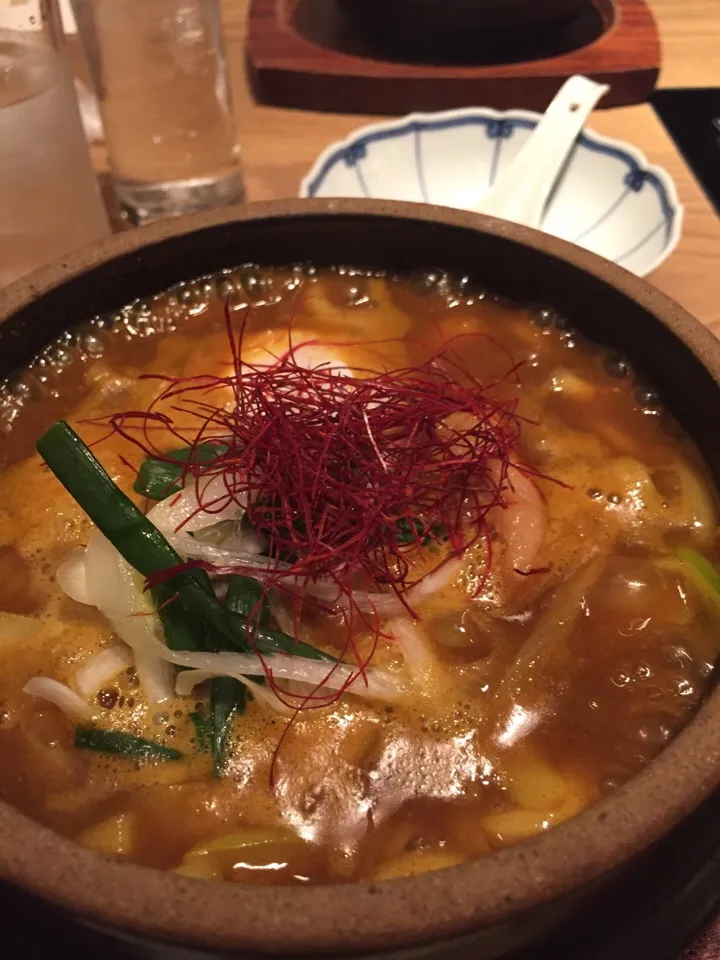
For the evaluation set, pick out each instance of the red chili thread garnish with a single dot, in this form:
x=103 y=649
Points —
x=349 y=479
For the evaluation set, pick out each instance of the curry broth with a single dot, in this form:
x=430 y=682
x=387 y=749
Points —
x=519 y=724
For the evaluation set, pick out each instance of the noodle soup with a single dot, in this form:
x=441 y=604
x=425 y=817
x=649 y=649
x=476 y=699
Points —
x=354 y=577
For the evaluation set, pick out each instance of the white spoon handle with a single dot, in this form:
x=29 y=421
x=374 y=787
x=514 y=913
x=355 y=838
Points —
x=521 y=191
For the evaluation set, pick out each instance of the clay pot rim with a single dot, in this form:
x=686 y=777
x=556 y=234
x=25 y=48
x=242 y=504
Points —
x=381 y=915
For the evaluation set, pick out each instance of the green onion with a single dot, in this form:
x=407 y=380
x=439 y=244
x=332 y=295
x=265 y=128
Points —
x=244 y=596
x=227 y=695
x=145 y=548
x=123 y=744
x=158 y=479
x=268 y=641
x=413 y=529
x=203 y=730
x=182 y=630
x=227 y=698
x=703 y=576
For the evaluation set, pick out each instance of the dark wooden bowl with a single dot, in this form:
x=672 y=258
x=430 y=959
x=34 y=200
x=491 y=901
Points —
x=480 y=910
x=446 y=20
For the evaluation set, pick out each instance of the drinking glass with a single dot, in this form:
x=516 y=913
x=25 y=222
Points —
x=158 y=68
x=49 y=197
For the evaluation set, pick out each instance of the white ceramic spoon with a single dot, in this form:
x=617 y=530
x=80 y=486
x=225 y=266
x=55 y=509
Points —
x=522 y=189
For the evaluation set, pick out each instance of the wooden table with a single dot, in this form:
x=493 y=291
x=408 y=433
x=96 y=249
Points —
x=279 y=145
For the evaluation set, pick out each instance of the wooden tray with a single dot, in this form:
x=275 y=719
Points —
x=303 y=53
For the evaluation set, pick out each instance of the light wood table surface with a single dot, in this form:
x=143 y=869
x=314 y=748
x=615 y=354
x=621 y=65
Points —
x=280 y=145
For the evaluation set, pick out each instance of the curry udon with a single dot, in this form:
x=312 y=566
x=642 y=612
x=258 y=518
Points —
x=383 y=574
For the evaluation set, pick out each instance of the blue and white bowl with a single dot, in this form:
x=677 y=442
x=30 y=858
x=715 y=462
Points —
x=608 y=198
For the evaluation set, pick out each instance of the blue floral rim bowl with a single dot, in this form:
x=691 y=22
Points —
x=608 y=198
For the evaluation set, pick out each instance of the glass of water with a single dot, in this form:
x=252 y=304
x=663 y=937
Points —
x=49 y=198
x=159 y=72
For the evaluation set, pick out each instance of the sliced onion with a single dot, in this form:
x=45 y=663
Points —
x=102 y=668
x=155 y=676
x=282 y=616
x=220 y=555
x=220 y=589
x=412 y=641
x=549 y=635
x=182 y=512
x=233 y=536
x=378 y=684
x=388 y=604
x=298 y=688
x=521 y=521
x=315 y=696
x=382 y=604
x=263 y=568
x=116 y=590
x=435 y=582
x=71 y=576
x=59 y=694
x=180 y=515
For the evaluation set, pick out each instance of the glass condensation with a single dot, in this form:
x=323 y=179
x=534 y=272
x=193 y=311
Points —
x=160 y=74
x=49 y=198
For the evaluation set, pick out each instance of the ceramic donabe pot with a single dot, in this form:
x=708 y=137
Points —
x=576 y=874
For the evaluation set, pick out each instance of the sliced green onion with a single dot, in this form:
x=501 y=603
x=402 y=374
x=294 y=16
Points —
x=699 y=572
x=227 y=695
x=182 y=630
x=123 y=744
x=203 y=730
x=703 y=566
x=410 y=530
x=227 y=699
x=158 y=479
x=270 y=641
x=244 y=597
